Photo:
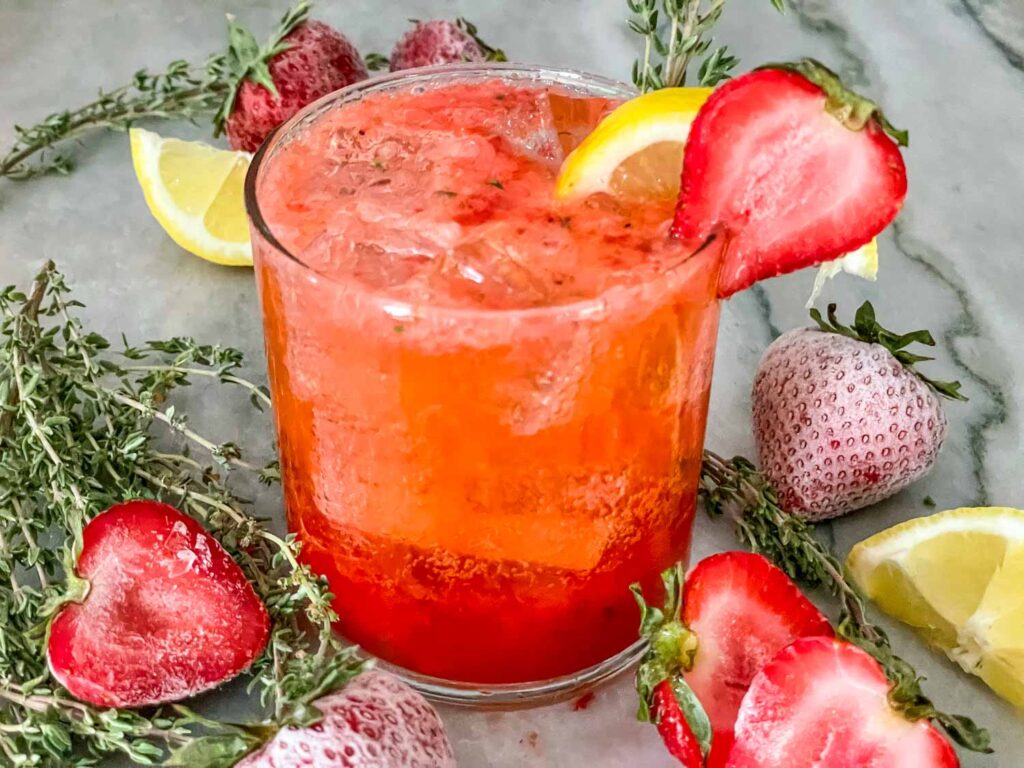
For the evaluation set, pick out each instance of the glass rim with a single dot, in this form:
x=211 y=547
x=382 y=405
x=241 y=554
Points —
x=400 y=307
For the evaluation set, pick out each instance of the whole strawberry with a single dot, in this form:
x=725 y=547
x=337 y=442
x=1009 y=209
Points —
x=376 y=721
x=842 y=419
x=302 y=61
x=431 y=43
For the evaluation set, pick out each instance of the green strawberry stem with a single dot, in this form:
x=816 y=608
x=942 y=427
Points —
x=735 y=489
x=672 y=645
x=848 y=107
x=867 y=329
x=670 y=652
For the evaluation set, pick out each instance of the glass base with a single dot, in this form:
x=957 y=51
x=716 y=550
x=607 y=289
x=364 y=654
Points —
x=518 y=695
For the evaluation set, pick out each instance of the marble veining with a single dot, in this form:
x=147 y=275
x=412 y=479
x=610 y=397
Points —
x=1003 y=22
x=949 y=70
x=964 y=326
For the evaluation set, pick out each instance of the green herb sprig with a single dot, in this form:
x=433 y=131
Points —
x=182 y=91
x=735 y=489
x=82 y=428
x=675 y=34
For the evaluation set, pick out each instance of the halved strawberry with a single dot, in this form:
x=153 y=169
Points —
x=794 y=166
x=744 y=610
x=824 y=703
x=738 y=611
x=665 y=698
x=163 y=612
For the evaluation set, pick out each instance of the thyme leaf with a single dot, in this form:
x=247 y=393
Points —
x=676 y=33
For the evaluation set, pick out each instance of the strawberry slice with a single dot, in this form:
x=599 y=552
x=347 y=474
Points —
x=795 y=167
x=824 y=703
x=163 y=611
x=744 y=610
x=737 y=611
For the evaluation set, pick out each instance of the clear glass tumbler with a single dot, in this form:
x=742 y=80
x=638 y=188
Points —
x=481 y=484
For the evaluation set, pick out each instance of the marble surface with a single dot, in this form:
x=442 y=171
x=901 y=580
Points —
x=952 y=71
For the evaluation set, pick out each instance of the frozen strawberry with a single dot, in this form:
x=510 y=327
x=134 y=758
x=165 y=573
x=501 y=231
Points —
x=302 y=61
x=163 y=611
x=824 y=703
x=738 y=610
x=430 y=43
x=794 y=167
x=842 y=419
x=376 y=721
x=744 y=610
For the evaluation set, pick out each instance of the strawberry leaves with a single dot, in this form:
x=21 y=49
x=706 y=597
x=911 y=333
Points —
x=672 y=645
x=246 y=60
x=665 y=697
x=866 y=328
x=490 y=52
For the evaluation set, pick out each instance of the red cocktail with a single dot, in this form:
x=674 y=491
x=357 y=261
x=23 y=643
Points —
x=490 y=404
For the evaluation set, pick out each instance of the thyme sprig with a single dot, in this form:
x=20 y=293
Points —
x=182 y=91
x=735 y=489
x=83 y=427
x=676 y=32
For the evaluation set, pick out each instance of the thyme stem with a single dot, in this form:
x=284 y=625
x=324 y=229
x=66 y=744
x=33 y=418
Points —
x=735 y=489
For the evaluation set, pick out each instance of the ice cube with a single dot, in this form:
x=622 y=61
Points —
x=492 y=272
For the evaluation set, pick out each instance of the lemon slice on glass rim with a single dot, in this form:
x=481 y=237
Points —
x=637 y=151
x=196 y=192
x=956 y=577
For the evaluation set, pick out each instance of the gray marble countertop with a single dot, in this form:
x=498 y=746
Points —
x=952 y=71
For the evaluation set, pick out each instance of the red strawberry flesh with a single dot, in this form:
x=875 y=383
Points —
x=744 y=610
x=674 y=728
x=823 y=703
x=793 y=184
x=168 y=612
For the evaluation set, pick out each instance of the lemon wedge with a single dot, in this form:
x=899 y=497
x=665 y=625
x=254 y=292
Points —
x=195 y=191
x=957 y=577
x=637 y=150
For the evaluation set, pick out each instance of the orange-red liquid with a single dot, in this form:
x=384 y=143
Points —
x=490 y=405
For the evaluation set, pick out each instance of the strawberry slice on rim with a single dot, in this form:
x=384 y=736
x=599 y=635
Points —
x=161 y=611
x=824 y=703
x=798 y=170
x=737 y=612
